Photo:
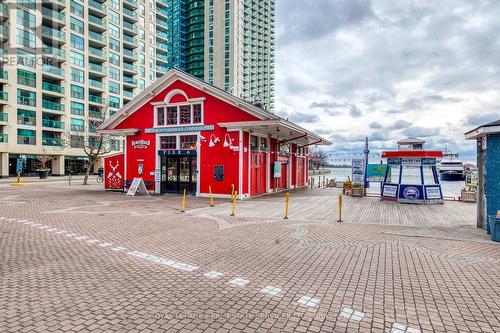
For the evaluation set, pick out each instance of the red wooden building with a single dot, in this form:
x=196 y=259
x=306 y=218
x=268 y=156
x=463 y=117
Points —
x=182 y=133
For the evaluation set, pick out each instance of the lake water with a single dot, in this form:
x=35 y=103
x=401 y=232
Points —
x=450 y=189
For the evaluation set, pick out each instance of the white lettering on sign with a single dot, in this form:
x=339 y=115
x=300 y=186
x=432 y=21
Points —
x=141 y=144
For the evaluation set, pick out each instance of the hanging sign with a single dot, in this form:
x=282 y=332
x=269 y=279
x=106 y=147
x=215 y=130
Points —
x=137 y=185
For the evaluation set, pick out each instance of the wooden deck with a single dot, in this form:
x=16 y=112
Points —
x=321 y=205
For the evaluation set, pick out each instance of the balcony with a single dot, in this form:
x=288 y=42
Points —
x=4 y=138
x=98 y=24
x=97 y=54
x=55 y=124
x=58 y=54
x=4 y=117
x=130 y=28
x=96 y=99
x=52 y=106
x=26 y=140
x=129 y=14
x=95 y=114
x=51 y=141
x=53 y=88
x=4 y=33
x=163 y=47
x=52 y=17
x=99 y=70
x=52 y=70
x=161 y=58
x=130 y=81
x=53 y=35
x=129 y=54
x=130 y=68
x=58 y=3
x=4 y=12
x=4 y=97
x=128 y=94
x=161 y=34
x=97 y=39
x=132 y=4
x=95 y=84
x=4 y=75
x=97 y=8
x=131 y=41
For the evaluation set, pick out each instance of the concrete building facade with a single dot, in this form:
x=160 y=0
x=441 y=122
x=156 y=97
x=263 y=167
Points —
x=69 y=64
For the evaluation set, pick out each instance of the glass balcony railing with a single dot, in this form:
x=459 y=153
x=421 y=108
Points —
x=53 y=70
x=47 y=12
x=97 y=36
x=132 y=3
x=130 y=40
x=97 y=52
x=96 y=99
x=52 y=123
x=97 y=68
x=129 y=53
x=129 y=67
x=49 y=105
x=97 y=20
x=4 y=116
x=97 y=5
x=51 y=141
x=95 y=114
x=130 y=13
x=26 y=140
x=52 y=87
x=95 y=84
x=54 y=52
x=130 y=80
x=4 y=10
x=54 y=33
x=128 y=94
x=4 y=138
x=4 y=75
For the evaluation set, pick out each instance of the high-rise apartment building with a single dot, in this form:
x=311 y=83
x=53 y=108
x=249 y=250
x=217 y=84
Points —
x=68 y=64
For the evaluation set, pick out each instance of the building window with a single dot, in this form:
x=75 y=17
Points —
x=77 y=42
x=26 y=19
x=26 y=97
x=196 y=113
x=77 y=125
x=114 y=73
x=160 y=116
x=185 y=114
x=263 y=143
x=253 y=142
x=172 y=115
x=77 y=25
x=77 y=109
x=26 y=58
x=188 y=141
x=114 y=102
x=26 y=38
x=77 y=92
x=26 y=137
x=77 y=59
x=168 y=142
x=77 y=9
x=26 y=117
x=76 y=141
x=26 y=78
x=77 y=75
x=114 y=87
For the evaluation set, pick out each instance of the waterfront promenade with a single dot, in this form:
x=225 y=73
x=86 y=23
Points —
x=80 y=259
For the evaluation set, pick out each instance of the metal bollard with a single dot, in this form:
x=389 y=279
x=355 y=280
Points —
x=340 y=208
x=286 y=204
x=183 y=205
x=233 y=212
x=211 y=199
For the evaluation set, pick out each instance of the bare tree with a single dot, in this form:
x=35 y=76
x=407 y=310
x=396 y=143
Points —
x=317 y=159
x=94 y=144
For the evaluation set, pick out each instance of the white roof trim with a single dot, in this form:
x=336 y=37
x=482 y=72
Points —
x=173 y=93
x=482 y=131
x=170 y=77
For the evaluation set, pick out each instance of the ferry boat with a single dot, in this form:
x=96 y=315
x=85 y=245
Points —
x=451 y=167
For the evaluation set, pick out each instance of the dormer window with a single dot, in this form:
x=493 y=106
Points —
x=186 y=114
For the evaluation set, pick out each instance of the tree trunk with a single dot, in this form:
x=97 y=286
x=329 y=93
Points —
x=86 y=178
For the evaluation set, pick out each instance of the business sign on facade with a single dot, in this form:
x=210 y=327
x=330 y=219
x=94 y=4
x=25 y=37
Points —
x=277 y=170
x=358 y=171
x=376 y=172
x=141 y=144
x=177 y=152
x=180 y=129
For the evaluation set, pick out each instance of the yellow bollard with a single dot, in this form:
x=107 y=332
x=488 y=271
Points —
x=233 y=212
x=286 y=205
x=183 y=205
x=211 y=199
x=232 y=192
x=18 y=176
x=340 y=208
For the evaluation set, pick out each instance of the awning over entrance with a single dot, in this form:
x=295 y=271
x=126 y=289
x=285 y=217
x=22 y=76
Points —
x=282 y=129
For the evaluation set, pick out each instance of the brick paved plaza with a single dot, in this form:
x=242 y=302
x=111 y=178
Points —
x=82 y=260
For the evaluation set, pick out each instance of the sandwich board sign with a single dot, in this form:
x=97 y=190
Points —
x=137 y=185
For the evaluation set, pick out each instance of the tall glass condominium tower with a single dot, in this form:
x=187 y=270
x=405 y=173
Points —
x=68 y=64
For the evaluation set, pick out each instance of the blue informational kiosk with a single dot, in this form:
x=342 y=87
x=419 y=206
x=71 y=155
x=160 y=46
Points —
x=412 y=175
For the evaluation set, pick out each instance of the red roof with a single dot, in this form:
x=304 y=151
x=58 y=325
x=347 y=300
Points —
x=411 y=153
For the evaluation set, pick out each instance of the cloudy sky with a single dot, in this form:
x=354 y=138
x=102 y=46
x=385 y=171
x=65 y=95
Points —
x=389 y=69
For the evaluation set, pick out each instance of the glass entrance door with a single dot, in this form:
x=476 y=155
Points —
x=179 y=173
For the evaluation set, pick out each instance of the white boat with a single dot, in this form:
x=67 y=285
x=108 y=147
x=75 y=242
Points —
x=451 y=167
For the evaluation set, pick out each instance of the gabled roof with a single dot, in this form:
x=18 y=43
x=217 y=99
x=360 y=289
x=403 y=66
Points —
x=411 y=140
x=170 y=77
x=175 y=74
x=490 y=128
